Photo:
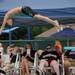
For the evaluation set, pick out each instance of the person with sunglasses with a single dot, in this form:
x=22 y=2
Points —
x=27 y=59
x=49 y=58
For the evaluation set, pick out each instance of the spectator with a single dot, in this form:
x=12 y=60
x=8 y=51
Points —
x=67 y=64
x=30 y=53
x=10 y=49
x=58 y=46
x=25 y=65
x=49 y=58
x=13 y=60
x=28 y=56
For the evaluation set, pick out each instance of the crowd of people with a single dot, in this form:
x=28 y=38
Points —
x=23 y=57
x=17 y=57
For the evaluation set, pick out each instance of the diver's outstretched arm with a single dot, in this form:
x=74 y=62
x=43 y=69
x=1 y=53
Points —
x=46 y=19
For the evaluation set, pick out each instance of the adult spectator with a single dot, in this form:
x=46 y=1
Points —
x=49 y=58
x=13 y=60
x=28 y=56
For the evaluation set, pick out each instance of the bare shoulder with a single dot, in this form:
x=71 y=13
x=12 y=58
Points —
x=15 y=10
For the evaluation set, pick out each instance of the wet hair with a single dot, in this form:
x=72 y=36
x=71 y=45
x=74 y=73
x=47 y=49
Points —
x=28 y=11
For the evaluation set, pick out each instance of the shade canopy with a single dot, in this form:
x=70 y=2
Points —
x=67 y=33
x=53 y=34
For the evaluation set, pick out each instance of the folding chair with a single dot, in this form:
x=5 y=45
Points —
x=48 y=70
x=16 y=69
x=2 y=72
x=34 y=69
